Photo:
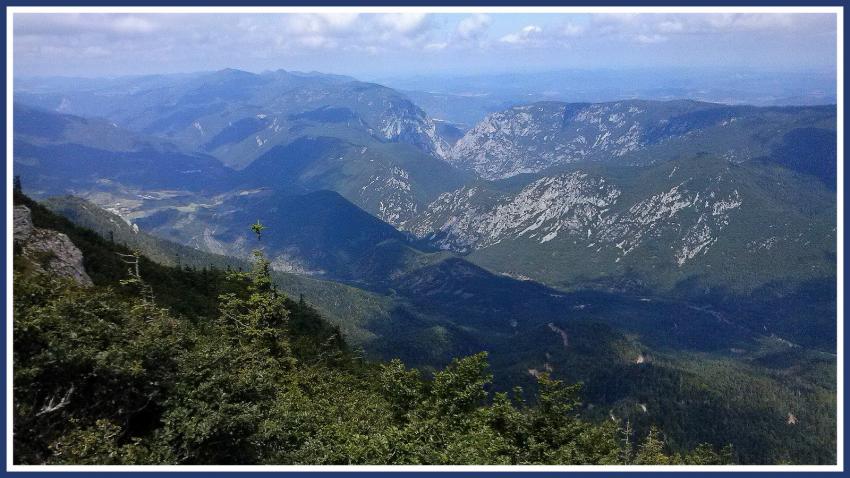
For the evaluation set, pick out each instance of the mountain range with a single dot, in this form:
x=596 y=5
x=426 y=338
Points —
x=645 y=248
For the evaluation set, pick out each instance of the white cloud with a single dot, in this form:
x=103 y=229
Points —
x=437 y=46
x=528 y=34
x=752 y=21
x=648 y=29
x=473 y=27
x=613 y=23
x=341 y=21
x=91 y=23
x=316 y=41
x=352 y=31
x=671 y=26
x=179 y=42
x=572 y=30
x=319 y=24
x=133 y=24
x=652 y=38
x=651 y=26
x=404 y=22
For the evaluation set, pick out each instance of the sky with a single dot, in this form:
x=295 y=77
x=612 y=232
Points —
x=371 y=45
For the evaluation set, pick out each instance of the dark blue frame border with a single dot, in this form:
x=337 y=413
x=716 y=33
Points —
x=332 y=3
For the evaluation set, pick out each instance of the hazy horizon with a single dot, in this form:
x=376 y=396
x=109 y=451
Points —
x=430 y=75
x=496 y=90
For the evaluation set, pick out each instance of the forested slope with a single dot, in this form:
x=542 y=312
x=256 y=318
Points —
x=183 y=366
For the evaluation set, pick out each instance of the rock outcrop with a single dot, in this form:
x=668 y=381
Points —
x=50 y=251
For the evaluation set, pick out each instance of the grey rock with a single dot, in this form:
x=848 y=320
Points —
x=22 y=223
x=50 y=251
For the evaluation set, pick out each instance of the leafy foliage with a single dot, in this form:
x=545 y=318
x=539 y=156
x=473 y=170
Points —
x=105 y=375
x=691 y=385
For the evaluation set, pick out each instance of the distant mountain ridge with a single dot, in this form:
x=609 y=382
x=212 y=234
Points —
x=237 y=115
x=44 y=127
x=365 y=141
x=532 y=138
x=58 y=153
x=558 y=183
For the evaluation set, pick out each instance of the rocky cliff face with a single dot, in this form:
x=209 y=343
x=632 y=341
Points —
x=50 y=251
x=587 y=211
x=580 y=208
x=569 y=203
x=530 y=138
x=401 y=121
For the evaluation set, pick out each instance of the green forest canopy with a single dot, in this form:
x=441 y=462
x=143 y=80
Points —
x=218 y=367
